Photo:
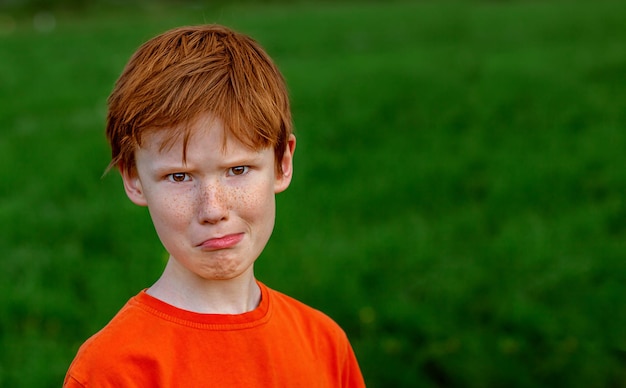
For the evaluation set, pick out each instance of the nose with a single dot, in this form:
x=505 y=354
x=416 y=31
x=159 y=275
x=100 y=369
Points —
x=212 y=203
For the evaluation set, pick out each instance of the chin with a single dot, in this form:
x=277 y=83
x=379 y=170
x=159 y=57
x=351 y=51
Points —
x=227 y=270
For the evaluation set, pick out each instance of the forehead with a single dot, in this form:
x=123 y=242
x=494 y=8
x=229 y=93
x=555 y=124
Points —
x=178 y=136
x=204 y=137
x=205 y=125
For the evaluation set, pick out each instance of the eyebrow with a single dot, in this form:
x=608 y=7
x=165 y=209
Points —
x=238 y=159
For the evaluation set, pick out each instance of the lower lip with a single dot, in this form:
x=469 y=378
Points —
x=223 y=242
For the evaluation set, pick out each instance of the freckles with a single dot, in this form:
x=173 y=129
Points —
x=240 y=199
x=251 y=201
x=177 y=207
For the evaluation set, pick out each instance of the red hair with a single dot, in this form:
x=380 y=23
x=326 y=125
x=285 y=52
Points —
x=187 y=72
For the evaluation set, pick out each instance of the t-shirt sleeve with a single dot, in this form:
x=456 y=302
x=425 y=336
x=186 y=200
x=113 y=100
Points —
x=352 y=377
x=71 y=382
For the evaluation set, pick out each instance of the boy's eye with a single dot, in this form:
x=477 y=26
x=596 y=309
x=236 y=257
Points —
x=239 y=170
x=178 y=177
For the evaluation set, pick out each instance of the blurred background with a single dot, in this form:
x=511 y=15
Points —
x=458 y=201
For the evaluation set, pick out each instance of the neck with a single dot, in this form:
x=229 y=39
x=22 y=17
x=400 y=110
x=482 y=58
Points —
x=187 y=291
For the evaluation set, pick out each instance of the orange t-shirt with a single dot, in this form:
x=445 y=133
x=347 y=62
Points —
x=282 y=343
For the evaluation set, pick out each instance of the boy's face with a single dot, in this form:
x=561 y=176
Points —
x=215 y=213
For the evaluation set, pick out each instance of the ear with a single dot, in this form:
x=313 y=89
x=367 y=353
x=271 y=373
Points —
x=132 y=185
x=283 y=180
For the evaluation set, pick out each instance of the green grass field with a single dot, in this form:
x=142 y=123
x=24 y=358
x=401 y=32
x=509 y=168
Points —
x=458 y=203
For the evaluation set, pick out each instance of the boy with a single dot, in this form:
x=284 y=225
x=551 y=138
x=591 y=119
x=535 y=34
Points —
x=200 y=130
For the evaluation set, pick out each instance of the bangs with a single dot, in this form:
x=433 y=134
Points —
x=186 y=73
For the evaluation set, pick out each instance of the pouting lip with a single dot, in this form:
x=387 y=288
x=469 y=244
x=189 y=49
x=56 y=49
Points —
x=222 y=242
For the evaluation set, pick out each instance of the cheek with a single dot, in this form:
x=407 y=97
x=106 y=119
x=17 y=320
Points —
x=170 y=210
x=253 y=203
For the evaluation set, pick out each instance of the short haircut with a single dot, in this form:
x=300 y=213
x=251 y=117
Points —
x=175 y=78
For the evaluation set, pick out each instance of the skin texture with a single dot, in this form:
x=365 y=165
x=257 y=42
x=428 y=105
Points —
x=214 y=213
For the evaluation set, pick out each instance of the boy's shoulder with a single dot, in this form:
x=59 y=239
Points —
x=287 y=308
x=103 y=348
x=281 y=300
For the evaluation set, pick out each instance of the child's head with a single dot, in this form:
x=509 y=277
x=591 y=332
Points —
x=187 y=72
